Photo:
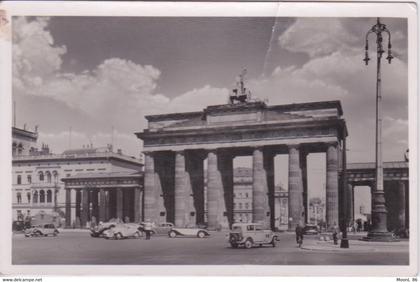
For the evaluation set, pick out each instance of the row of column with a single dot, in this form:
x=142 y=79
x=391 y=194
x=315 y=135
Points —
x=186 y=193
x=396 y=194
x=104 y=204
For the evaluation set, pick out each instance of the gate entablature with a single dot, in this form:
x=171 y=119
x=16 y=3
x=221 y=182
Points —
x=242 y=125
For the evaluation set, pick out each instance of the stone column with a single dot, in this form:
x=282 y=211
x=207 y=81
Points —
x=120 y=203
x=68 y=208
x=269 y=169
x=138 y=201
x=150 y=194
x=102 y=205
x=195 y=169
x=180 y=189
x=226 y=171
x=78 y=208
x=95 y=205
x=107 y=208
x=260 y=189
x=295 y=189
x=332 y=186
x=401 y=204
x=127 y=204
x=85 y=207
x=214 y=197
x=350 y=203
x=304 y=170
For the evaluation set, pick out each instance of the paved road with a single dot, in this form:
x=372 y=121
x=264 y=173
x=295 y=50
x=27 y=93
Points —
x=72 y=247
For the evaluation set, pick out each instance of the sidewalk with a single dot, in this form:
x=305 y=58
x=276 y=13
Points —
x=355 y=246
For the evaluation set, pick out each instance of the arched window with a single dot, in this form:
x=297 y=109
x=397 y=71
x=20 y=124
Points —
x=29 y=179
x=49 y=196
x=48 y=174
x=35 y=199
x=28 y=195
x=246 y=205
x=240 y=206
x=20 y=149
x=41 y=176
x=14 y=147
x=55 y=176
x=42 y=196
x=19 y=179
x=19 y=197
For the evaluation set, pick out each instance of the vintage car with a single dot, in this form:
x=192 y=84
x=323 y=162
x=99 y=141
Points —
x=188 y=232
x=41 y=230
x=159 y=229
x=310 y=229
x=98 y=231
x=123 y=230
x=251 y=234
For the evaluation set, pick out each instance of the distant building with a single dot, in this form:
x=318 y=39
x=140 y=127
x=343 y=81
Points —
x=242 y=194
x=242 y=200
x=37 y=186
x=281 y=207
x=316 y=211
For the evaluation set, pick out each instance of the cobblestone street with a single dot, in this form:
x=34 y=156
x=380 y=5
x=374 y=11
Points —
x=77 y=247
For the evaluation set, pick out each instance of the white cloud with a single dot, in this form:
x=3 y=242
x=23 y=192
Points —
x=316 y=36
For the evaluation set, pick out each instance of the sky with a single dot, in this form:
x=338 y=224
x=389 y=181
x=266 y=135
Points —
x=102 y=75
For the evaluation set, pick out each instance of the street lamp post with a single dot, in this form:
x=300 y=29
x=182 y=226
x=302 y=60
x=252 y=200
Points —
x=378 y=230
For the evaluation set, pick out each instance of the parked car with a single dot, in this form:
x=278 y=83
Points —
x=98 y=231
x=311 y=229
x=159 y=229
x=42 y=230
x=189 y=232
x=123 y=230
x=251 y=234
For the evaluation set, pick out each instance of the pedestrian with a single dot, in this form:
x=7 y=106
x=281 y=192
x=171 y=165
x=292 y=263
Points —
x=299 y=235
x=335 y=234
x=148 y=228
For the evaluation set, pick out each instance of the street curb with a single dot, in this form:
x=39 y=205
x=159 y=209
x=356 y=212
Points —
x=337 y=249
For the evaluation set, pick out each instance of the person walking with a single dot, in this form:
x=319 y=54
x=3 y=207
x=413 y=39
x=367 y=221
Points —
x=335 y=234
x=148 y=229
x=299 y=235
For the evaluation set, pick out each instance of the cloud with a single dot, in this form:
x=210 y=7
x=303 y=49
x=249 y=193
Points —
x=34 y=55
x=117 y=92
x=316 y=36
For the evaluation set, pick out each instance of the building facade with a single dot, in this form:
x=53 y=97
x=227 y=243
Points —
x=242 y=194
x=37 y=175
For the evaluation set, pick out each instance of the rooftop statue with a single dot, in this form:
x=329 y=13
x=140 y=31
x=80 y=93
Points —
x=240 y=94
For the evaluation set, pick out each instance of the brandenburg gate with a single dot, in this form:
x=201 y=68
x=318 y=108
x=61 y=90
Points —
x=176 y=145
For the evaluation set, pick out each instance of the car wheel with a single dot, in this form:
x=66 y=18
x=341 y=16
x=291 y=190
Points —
x=118 y=236
x=55 y=234
x=172 y=234
x=248 y=244
x=38 y=233
x=201 y=234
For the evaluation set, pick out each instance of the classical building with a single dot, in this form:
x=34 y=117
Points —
x=39 y=179
x=176 y=146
